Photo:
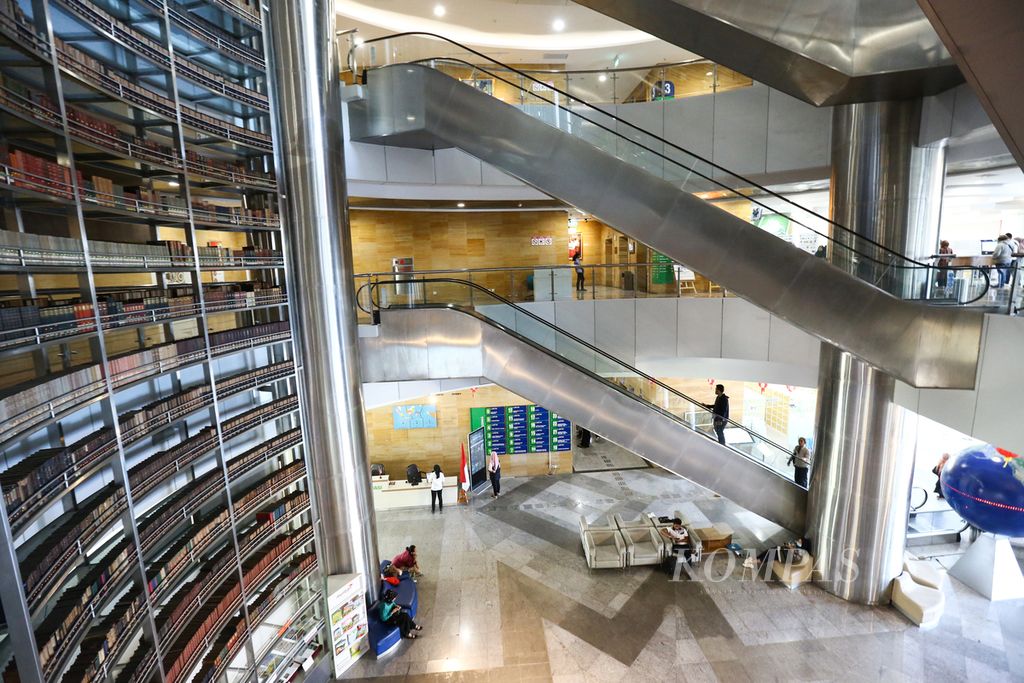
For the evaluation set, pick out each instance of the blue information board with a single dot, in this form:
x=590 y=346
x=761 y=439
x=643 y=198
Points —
x=539 y=429
x=494 y=428
x=561 y=433
x=517 y=436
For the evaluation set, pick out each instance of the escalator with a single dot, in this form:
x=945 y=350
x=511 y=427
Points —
x=447 y=328
x=888 y=312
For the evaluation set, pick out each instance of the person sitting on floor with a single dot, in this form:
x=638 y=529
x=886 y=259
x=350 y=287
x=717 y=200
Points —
x=406 y=561
x=393 y=615
x=791 y=551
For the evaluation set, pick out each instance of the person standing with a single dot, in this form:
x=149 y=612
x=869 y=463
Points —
x=577 y=263
x=801 y=462
x=944 y=252
x=719 y=411
x=494 y=470
x=937 y=471
x=436 y=481
x=1002 y=257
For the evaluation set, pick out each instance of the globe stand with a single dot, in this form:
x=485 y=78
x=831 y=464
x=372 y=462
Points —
x=990 y=568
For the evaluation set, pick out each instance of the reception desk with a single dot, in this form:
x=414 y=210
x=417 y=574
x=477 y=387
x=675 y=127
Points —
x=390 y=494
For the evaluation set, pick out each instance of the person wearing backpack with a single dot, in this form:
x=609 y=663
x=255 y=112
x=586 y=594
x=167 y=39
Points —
x=1002 y=257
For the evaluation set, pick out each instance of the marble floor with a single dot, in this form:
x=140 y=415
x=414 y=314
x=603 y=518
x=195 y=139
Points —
x=507 y=596
x=603 y=455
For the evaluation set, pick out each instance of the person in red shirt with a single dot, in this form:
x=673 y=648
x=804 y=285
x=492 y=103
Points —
x=407 y=561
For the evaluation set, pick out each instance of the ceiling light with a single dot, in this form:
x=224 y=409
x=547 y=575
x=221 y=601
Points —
x=710 y=73
x=602 y=78
x=358 y=40
x=439 y=10
x=172 y=183
x=461 y=205
x=558 y=25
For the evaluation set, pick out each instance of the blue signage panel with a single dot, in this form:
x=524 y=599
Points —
x=561 y=433
x=540 y=430
x=518 y=437
x=494 y=427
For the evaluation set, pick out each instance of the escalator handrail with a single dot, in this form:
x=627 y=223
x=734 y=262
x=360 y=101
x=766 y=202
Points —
x=853 y=233
x=373 y=287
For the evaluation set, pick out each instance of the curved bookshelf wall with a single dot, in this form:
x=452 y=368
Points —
x=151 y=456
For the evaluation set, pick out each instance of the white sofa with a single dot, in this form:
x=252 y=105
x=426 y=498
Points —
x=604 y=549
x=641 y=521
x=643 y=546
x=923 y=605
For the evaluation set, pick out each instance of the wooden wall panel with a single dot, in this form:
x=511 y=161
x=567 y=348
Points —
x=398 y=448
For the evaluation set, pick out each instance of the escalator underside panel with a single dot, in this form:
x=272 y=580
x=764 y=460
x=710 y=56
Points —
x=925 y=346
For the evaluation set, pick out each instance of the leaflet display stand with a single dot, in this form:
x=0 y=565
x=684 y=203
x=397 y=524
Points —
x=349 y=627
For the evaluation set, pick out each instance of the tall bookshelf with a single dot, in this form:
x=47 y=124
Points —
x=156 y=522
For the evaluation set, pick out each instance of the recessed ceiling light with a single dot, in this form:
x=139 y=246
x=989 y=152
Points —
x=558 y=25
x=602 y=78
x=461 y=205
x=709 y=73
x=439 y=10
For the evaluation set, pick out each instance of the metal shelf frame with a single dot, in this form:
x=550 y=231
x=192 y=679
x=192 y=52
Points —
x=236 y=36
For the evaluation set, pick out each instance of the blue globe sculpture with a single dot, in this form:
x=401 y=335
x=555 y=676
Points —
x=985 y=485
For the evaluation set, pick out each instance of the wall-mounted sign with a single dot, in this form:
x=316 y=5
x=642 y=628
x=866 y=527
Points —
x=545 y=241
x=663 y=90
x=521 y=429
x=542 y=87
x=662 y=273
x=415 y=416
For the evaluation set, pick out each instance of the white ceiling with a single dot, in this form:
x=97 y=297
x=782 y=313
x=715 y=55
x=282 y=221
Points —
x=515 y=31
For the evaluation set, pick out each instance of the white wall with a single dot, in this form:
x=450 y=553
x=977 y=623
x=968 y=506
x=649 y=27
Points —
x=733 y=340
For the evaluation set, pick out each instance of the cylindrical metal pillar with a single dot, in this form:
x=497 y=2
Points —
x=306 y=99
x=888 y=190
x=860 y=488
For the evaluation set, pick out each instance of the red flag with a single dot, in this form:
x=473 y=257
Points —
x=464 y=470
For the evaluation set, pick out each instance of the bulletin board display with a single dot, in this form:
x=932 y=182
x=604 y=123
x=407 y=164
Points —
x=510 y=430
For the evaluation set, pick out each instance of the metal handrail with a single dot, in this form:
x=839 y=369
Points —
x=623 y=122
x=590 y=347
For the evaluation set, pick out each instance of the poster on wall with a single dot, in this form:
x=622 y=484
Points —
x=415 y=416
x=776 y=224
x=349 y=627
x=662 y=272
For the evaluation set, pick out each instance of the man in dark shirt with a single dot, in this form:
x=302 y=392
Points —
x=720 y=410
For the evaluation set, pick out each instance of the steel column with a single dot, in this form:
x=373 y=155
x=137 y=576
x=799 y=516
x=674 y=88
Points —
x=889 y=190
x=306 y=99
x=860 y=486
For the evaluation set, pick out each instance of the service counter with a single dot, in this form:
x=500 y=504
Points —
x=389 y=494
